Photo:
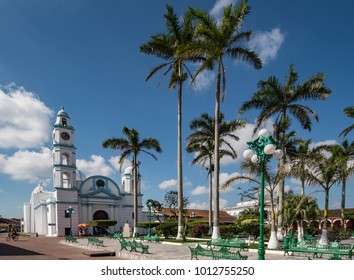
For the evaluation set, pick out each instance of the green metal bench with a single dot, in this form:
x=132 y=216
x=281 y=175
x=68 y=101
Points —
x=225 y=253
x=222 y=253
x=124 y=244
x=232 y=243
x=334 y=250
x=116 y=235
x=151 y=238
x=138 y=247
x=69 y=238
x=200 y=251
x=94 y=241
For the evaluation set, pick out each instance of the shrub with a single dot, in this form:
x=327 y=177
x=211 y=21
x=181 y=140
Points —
x=337 y=234
x=167 y=229
x=198 y=230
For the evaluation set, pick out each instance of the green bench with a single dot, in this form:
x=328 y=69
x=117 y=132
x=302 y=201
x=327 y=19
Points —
x=69 y=238
x=151 y=238
x=124 y=244
x=94 y=241
x=138 y=247
x=116 y=235
x=223 y=253
x=232 y=243
x=334 y=249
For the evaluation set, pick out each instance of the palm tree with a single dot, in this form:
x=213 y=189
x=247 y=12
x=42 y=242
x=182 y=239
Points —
x=271 y=180
x=131 y=145
x=166 y=46
x=325 y=173
x=345 y=158
x=282 y=101
x=298 y=208
x=201 y=142
x=215 y=42
x=349 y=112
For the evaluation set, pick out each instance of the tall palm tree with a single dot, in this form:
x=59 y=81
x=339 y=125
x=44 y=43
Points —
x=345 y=152
x=217 y=41
x=201 y=142
x=282 y=101
x=349 y=112
x=166 y=46
x=271 y=180
x=298 y=208
x=325 y=173
x=132 y=145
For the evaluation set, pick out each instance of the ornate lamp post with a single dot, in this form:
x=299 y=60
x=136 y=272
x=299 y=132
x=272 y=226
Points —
x=149 y=205
x=70 y=210
x=257 y=151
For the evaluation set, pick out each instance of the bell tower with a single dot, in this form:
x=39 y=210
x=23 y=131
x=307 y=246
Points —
x=63 y=152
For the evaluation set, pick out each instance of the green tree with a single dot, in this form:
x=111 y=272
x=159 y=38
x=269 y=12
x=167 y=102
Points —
x=166 y=46
x=297 y=208
x=349 y=112
x=172 y=201
x=215 y=42
x=345 y=155
x=325 y=173
x=201 y=142
x=132 y=145
x=281 y=101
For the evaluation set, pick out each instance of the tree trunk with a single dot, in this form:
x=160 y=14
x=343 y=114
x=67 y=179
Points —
x=135 y=194
x=342 y=205
x=216 y=228
x=210 y=193
x=180 y=233
x=324 y=236
x=273 y=241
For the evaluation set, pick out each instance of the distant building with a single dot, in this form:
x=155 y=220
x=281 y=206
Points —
x=95 y=198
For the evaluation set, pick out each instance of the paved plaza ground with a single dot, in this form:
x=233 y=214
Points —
x=55 y=248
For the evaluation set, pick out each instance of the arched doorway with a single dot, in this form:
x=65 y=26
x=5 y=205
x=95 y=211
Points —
x=100 y=215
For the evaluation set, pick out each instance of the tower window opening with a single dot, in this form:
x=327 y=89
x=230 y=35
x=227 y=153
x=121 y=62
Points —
x=64 y=122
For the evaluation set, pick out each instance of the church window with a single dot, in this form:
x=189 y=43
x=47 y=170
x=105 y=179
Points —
x=100 y=183
x=64 y=122
x=65 y=159
x=66 y=180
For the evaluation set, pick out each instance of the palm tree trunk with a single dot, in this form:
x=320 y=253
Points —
x=273 y=240
x=180 y=234
x=135 y=194
x=216 y=227
x=342 y=206
x=324 y=236
x=210 y=194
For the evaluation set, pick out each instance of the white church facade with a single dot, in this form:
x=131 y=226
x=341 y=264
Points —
x=93 y=198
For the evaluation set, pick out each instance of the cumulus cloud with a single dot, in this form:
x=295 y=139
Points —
x=114 y=161
x=198 y=205
x=28 y=165
x=267 y=44
x=25 y=121
x=96 y=165
x=199 y=190
x=168 y=184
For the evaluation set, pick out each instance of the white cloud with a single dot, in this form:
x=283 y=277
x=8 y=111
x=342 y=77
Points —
x=168 y=184
x=198 y=205
x=204 y=80
x=25 y=121
x=267 y=44
x=199 y=190
x=114 y=161
x=218 y=8
x=28 y=165
x=96 y=166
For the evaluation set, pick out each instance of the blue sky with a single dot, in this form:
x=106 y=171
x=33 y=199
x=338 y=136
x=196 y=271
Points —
x=84 y=55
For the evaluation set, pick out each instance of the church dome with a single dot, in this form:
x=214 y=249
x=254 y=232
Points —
x=62 y=113
x=128 y=170
x=40 y=188
x=80 y=176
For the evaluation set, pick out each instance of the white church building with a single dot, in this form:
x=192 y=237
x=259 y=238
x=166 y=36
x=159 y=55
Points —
x=93 y=198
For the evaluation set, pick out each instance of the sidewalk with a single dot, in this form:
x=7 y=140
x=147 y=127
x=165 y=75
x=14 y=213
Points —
x=168 y=251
